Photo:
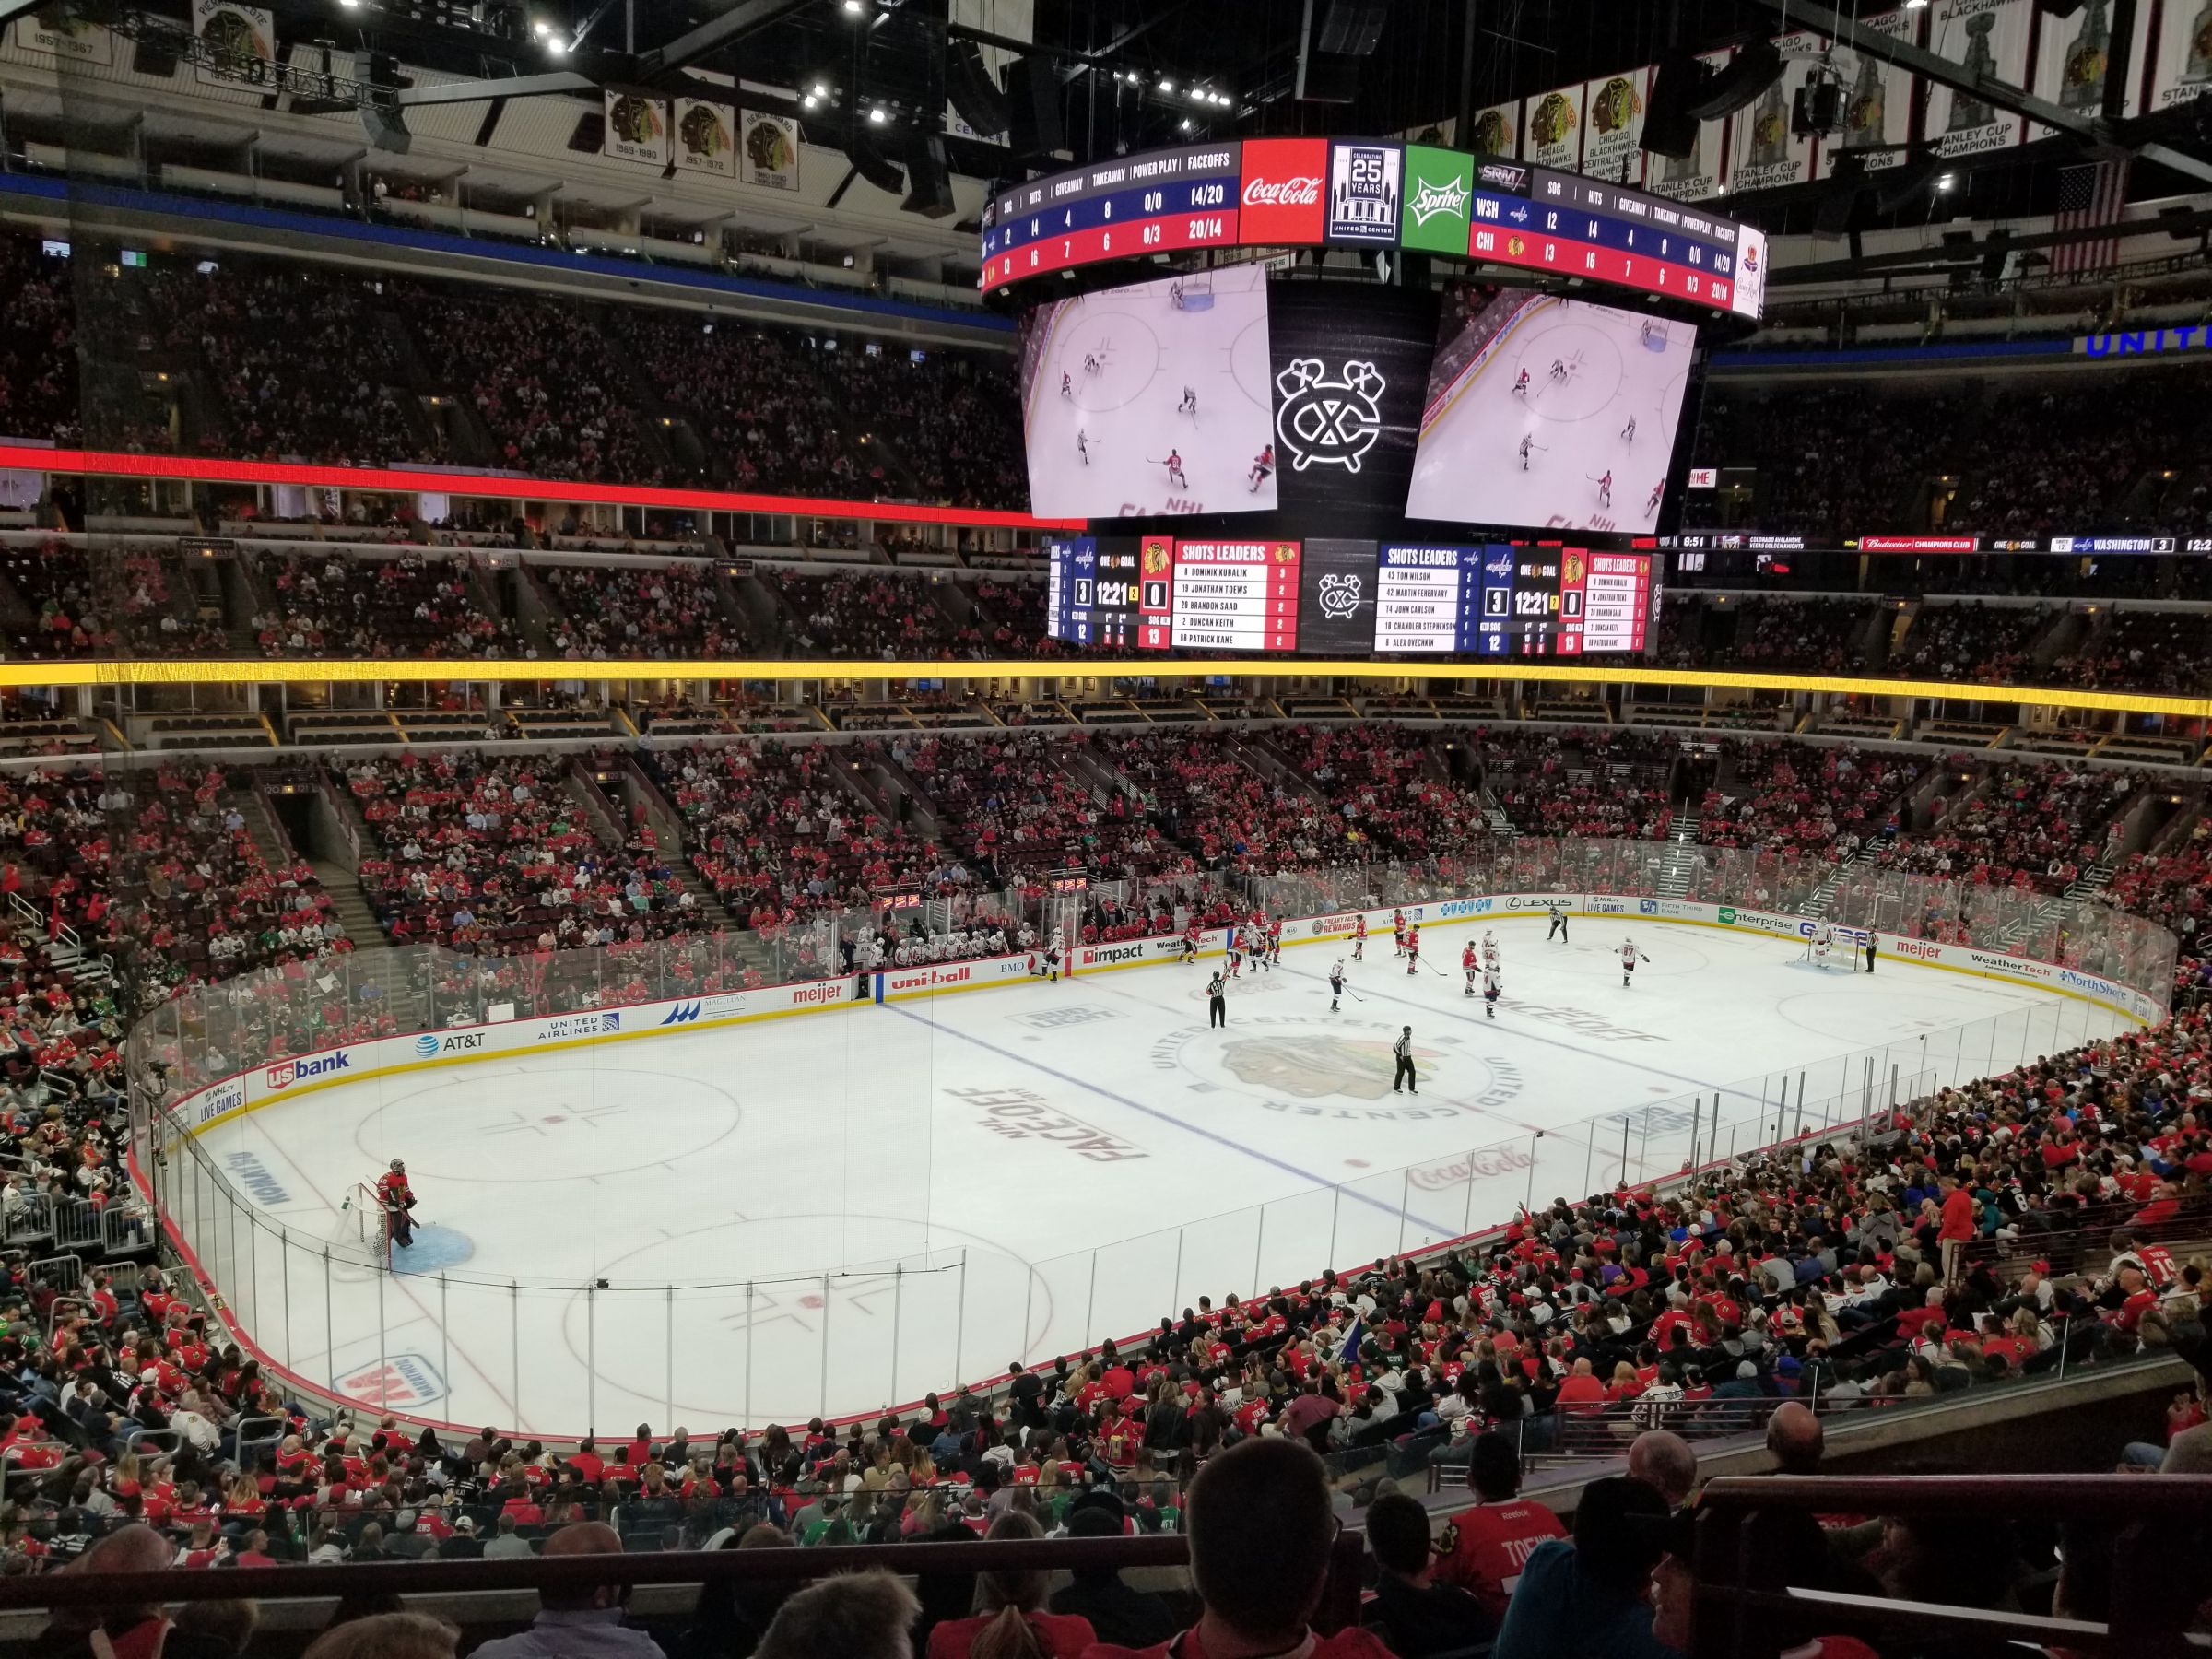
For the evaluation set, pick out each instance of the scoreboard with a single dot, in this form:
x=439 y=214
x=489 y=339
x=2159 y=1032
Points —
x=1289 y=193
x=1090 y=597
x=1229 y=595
x=1481 y=599
x=1512 y=599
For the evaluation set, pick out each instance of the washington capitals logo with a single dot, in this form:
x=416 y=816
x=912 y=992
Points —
x=1329 y=422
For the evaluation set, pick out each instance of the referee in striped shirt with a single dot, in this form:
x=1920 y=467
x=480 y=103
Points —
x=1403 y=1048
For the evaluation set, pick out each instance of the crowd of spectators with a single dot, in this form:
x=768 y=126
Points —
x=1822 y=802
x=1010 y=618
x=495 y=855
x=2044 y=460
x=91 y=601
x=59 y=1024
x=1577 y=781
x=953 y=418
x=661 y=612
x=1843 y=461
x=1389 y=785
x=551 y=391
x=2032 y=826
x=1828 y=635
x=38 y=344
x=778 y=835
x=892 y=618
x=1970 y=641
x=1203 y=794
x=299 y=366
x=2142 y=649
x=764 y=418
x=405 y=606
x=1009 y=805
x=194 y=897
x=1835 y=461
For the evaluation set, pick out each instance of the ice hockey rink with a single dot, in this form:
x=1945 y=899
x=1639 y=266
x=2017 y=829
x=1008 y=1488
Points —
x=1128 y=357
x=767 y=1221
x=1612 y=367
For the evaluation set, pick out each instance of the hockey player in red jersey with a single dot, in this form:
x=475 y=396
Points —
x=1359 y=939
x=1469 y=966
x=398 y=1199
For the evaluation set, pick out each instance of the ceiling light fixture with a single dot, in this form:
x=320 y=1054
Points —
x=878 y=116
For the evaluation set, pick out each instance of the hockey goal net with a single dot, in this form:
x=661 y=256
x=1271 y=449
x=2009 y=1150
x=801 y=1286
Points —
x=1840 y=952
x=361 y=1226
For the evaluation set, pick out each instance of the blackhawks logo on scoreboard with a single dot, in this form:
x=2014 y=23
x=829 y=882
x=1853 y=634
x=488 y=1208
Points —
x=1329 y=422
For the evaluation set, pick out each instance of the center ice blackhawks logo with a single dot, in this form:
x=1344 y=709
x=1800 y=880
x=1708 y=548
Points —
x=1339 y=596
x=1310 y=1068
x=1329 y=422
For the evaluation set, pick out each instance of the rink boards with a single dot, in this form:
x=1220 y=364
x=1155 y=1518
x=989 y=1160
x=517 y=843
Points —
x=303 y=1074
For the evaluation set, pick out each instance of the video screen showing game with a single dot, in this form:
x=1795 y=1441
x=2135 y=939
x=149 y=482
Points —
x=1552 y=413
x=1152 y=400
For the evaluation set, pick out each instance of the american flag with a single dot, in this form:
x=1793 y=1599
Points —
x=2090 y=198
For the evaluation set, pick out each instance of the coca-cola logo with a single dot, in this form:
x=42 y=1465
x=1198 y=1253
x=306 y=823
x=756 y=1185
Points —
x=1301 y=192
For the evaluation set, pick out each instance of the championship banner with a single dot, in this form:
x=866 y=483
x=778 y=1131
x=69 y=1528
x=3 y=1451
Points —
x=57 y=32
x=1984 y=37
x=1496 y=131
x=241 y=39
x=637 y=128
x=1552 y=129
x=1762 y=152
x=1613 y=125
x=706 y=140
x=771 y=151
x=2074 y=58
x=1878 y=98
x=1700 y=175
x=2182 y=58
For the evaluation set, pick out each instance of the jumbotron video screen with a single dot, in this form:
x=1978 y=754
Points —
x=1551 y=413
x=1153 y=400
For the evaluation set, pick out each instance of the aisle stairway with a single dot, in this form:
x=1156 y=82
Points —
x=1818 y=901
x=2083 y=887
x=1678 y=863
x=351 y=905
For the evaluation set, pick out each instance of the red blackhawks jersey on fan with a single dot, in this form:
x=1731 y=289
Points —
x=1484 y=1548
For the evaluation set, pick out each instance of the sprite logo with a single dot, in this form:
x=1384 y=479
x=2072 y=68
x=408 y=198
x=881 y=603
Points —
x=1727 y=915
x=1439 y=199
x=1449 y=197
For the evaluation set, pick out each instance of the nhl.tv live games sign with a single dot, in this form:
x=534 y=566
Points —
x=1368 y=193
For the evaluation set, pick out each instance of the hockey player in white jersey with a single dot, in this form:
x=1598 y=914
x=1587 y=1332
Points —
x=1491 y=991
x=1629 y=957
x=1490 y=951
x=1335 y=983
x=1824 y=940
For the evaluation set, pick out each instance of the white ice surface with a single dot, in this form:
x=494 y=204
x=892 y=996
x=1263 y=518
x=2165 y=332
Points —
x=1048 y=1164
